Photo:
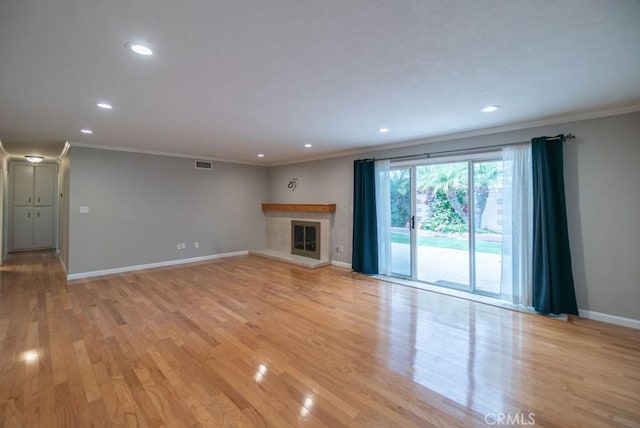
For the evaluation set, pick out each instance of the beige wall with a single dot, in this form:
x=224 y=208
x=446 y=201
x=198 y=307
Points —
x=602 y=176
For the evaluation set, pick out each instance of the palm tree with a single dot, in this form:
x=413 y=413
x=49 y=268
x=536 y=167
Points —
x=451 y=180
x=485 y=176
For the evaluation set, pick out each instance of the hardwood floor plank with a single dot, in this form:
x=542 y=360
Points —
x=249 y=342
x=134 y=385
x=89 y=382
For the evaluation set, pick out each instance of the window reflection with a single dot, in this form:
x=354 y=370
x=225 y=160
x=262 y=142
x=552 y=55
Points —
x=457 y=348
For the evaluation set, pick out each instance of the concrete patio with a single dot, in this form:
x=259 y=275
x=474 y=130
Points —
x=448 y=267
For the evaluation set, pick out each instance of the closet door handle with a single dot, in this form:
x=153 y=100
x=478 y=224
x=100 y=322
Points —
x=29 y=199
x=38 y=198
x=28 y=214
x=38 y=214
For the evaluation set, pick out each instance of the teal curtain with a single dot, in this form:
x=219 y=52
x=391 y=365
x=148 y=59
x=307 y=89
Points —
x=553 y=288
x=365 y=232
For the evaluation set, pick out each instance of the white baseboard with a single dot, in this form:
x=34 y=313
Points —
x=341 y=264
x=612 y=319
x=153 y=265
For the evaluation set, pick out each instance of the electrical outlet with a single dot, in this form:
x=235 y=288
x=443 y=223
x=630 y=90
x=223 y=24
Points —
x=196 y=244
x=179 y=246
x=183 y=245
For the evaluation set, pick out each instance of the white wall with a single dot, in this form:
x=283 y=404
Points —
x=602 y=175
x=142 y=205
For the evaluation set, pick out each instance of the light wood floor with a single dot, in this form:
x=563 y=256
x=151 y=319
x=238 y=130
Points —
x=251 y=342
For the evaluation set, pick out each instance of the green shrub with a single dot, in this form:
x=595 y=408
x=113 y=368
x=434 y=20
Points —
x=442 y=217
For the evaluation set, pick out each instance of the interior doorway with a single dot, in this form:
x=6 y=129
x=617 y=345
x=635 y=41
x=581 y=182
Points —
x=30 y=196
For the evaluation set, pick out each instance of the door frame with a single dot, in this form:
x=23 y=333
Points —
x=9 y=203
x=471 y=160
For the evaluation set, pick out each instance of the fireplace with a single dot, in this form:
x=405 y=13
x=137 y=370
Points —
x=305 y=238
x=294 y=245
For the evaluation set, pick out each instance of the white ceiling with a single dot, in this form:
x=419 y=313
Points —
x=233 y=78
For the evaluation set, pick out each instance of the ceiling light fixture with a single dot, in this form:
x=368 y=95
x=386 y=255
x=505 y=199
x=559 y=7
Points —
x=104 y=105
x=489 y=109
x=260 y=155
x=140 y=49
x=34 y=158
x=308 y=145
x=86 y=131
x=383 y=130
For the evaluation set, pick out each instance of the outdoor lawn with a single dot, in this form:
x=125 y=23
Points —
x=449 y=242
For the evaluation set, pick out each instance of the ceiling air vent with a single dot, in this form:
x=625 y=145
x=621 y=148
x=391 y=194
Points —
x=202 y=164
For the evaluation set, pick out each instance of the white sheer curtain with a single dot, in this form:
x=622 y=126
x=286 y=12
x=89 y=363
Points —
x=383 y=213
x=517 y=225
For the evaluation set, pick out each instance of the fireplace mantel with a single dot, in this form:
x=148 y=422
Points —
x=320 y=208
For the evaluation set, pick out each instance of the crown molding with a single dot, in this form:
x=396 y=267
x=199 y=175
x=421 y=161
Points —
x=554 y=120
x=157 y=153
x=64 y=151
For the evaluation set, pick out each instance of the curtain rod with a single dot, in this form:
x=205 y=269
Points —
x=470 y=150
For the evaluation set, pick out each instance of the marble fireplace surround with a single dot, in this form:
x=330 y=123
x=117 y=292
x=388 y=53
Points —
x=278 y=224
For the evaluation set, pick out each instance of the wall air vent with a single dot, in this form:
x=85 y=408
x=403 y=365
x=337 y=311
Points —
x=203 y=164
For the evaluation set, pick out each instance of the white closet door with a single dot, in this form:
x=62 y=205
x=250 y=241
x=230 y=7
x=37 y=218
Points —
x=43 y=227
x=45 y=185
x=22 y=236
x=22 y=184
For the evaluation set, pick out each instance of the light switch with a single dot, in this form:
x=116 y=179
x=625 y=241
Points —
x=84 y=210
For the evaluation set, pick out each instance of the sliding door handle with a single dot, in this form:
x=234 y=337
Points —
x=413 y=222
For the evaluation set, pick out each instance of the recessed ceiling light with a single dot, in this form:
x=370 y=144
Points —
x=140 y=49
x=34 y=158
x=104 y=105
x=308 y=145
x=383 y=130
x=489 y=109
x=86 y=131
x=260 y=155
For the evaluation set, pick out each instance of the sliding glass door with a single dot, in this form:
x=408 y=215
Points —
x=400 y=190
x=442 y=212
x=487 y=226
x=446 y=223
